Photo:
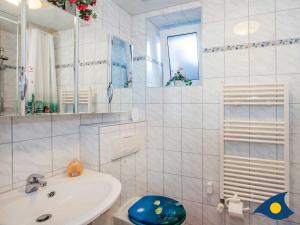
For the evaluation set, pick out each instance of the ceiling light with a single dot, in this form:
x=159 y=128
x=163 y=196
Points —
x=32 y=4
x=245 y=28
x=14 y=2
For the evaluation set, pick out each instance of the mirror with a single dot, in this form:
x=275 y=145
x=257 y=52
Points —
x=9 y=57
x=120 y=92
x=121 y=63
x=50 y=59
x=105 y=69
x=71 y=65
x=93 y=69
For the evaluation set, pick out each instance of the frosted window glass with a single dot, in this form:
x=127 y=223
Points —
x=183 y=53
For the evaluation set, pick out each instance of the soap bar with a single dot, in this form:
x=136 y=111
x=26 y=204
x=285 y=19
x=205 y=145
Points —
x=75 y=168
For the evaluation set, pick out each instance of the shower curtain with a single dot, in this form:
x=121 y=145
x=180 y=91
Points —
x=42 y=87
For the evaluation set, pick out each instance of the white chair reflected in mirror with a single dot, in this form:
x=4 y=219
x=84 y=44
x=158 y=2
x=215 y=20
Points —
x=66 y=101
x=85 y=101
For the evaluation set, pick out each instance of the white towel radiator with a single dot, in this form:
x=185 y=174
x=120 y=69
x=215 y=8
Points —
x=254 y=179
x=85 y=98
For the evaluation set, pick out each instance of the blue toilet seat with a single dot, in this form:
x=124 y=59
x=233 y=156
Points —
x=157 y=210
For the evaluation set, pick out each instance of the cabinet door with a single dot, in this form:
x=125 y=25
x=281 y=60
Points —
x=93 y=68
x=9 y=56
x=50 y=59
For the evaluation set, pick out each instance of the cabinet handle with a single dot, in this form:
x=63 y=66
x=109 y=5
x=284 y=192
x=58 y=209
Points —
x=23 y=83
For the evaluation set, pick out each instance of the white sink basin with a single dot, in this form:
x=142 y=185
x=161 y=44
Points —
x=77 y=201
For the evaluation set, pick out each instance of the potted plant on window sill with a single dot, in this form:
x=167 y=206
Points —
x=179 y=79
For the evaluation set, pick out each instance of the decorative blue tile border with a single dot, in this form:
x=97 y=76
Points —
x=154 y=61
x=139 y=58
x=147 y=58
x=117 y=64
x=90 y=63
x=93 y=63
x=9 y=67
x=64 y=66
x=263 y=44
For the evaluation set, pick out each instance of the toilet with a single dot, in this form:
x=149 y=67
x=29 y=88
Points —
x=150 y=209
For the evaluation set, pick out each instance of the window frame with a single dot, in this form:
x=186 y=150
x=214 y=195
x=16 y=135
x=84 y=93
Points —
x=169 y=58
x=177 y=31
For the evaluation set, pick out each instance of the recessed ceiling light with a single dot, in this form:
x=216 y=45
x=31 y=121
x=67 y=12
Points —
x=14 y=2
x=32 y=4
x=245 y=28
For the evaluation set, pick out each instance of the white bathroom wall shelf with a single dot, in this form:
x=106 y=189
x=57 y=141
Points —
x=254 y=179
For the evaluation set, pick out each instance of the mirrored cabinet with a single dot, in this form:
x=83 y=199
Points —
x=105 y=67
x=121 y=63
x=10 y=52
x=121 y=74
x=54 y=62
x=93 y=70
x=50 y=60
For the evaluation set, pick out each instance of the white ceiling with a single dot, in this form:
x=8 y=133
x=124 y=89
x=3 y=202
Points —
x=10 y=9
x=50 y=18
x=9 y=16
x=135 y=7
x=176 y=19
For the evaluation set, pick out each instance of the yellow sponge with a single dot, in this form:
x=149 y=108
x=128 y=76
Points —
x=75 y=168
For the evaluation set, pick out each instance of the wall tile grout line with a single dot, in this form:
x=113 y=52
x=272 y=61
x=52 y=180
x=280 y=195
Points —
x=224 y=2
x=12 y=153
x=51 y=143
x=249 y=72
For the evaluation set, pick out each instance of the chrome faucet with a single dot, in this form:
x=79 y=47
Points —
x=34 y=181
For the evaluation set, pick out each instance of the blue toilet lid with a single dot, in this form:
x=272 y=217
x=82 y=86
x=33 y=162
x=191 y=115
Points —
x=157 y=210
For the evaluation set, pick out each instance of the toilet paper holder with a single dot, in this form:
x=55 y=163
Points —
x=235 y=207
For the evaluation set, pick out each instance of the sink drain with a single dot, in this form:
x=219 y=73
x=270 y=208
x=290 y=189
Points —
x=43 y=218
x=51 y=194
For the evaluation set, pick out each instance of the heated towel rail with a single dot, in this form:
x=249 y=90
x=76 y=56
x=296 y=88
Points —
x=254 y=179
x=85 y=98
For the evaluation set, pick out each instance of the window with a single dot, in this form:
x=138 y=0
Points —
x=183 y=53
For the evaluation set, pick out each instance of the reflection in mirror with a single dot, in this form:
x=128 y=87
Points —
x=50 y=60
x=105 y=69
x=173 y=48
x=9 y=56
x=121 y=63
x=93 y=70
x=121 y=75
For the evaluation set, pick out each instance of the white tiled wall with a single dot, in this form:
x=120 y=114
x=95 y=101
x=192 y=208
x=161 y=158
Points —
x=41 y=144
x=154 y=69
x=183 y=122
